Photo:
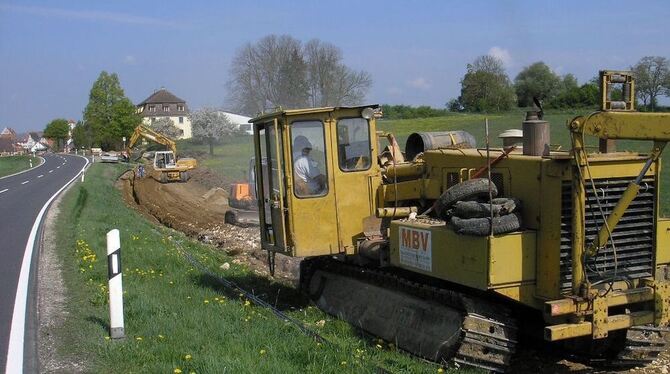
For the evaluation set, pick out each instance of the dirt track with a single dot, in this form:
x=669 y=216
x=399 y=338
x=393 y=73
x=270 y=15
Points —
x=198 y=210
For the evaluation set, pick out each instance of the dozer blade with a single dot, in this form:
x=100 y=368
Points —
x=440 y=329
x=242 y=218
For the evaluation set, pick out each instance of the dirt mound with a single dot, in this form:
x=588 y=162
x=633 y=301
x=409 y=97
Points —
x=197 y=208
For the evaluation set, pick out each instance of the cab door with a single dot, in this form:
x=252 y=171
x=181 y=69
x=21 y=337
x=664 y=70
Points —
x=314 y=223
x=271 y=190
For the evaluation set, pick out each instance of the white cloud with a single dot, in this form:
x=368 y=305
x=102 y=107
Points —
x=502 y=54
x=129 y=60
x=419 y=83
x=86 y=15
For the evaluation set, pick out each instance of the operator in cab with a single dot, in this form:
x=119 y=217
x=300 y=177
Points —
x=308 y=178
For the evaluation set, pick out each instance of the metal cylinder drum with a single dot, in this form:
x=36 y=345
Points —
x=423 y=141
x=535 y=137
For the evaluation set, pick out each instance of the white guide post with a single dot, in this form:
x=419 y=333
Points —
x=115 y=285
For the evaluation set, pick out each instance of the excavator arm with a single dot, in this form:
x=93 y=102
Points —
x=147 y=133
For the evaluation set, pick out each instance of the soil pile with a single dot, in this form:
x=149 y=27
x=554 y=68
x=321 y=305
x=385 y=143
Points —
x=197 y=208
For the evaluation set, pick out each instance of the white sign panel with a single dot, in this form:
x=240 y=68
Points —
x=415 y=248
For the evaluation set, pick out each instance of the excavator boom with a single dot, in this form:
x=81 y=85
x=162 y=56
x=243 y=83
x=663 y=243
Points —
x=147 y=133
x=164 y=170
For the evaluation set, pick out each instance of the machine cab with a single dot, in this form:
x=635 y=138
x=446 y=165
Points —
x=164 y=160
x=319 y=164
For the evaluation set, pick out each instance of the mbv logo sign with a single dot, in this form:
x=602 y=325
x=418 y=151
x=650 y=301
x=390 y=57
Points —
x=415 y=248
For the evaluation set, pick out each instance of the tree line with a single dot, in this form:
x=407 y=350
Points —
x=486 y=87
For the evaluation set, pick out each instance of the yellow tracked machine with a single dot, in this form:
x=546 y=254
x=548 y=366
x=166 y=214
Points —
x=420 y=250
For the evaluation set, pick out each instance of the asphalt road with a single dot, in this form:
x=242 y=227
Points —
x=22 y=197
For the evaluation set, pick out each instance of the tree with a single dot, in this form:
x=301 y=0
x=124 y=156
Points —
x=269 y=73
x=109 y=114
x=536 y=80
x=165 y=126
x=210 y=125
x=81 y=135
x=652 y=74
x=279 y=71
x=59 y=130
x=486 y=87
x=330 y=82
x=572 y=95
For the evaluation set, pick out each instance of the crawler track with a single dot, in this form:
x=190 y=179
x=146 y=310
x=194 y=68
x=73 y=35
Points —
x=485 y=336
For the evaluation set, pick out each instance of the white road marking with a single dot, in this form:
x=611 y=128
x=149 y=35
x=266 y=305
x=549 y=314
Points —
x=25 y=182
x=51 y=171
x=17 y=332
x=40 y=176
x=57 y=167
x=6 y=189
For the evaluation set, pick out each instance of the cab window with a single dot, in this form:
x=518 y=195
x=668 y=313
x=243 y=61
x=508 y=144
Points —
x=309 y=159
x=353 y=144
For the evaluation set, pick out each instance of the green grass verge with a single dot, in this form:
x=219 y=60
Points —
x=179 y=320
x=14 y=164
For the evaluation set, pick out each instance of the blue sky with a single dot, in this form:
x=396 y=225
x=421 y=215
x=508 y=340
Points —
x=52 y=52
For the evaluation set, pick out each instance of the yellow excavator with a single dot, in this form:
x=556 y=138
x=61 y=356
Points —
x=166 y=168
x=421 y=251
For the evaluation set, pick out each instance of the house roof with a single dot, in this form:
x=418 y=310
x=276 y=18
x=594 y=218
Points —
x=35 y=135
x=161 y=96
x=7 y=131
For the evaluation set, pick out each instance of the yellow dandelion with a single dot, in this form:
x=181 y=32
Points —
x=343 y=363
x=246 y=303
x=177 y=371
x=138 y=338
x=206 y=301
x=106 y=337
x=188 y=357
x=440 y=370
x=262 y=352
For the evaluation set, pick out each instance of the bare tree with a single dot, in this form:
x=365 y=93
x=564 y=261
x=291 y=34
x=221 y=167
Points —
x=165 y=126
x=268 y=73
x=330 y=82
x=210 y=125
x=652 y=73
x=278 y=71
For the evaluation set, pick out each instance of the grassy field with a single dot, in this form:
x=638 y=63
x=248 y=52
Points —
x=179 y=320
x=14 y=164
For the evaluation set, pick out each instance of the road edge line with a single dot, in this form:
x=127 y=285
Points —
x=15 y=346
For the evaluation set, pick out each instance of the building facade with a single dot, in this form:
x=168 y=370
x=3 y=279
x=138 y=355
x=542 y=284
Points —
x=164 y=104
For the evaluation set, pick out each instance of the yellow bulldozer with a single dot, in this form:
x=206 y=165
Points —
x=443 y=249
x=166 y=167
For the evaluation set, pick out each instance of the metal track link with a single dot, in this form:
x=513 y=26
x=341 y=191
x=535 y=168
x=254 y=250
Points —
x=488 y=331
x=643 y=345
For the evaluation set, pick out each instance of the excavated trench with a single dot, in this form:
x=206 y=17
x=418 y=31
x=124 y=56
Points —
x=198 y=210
